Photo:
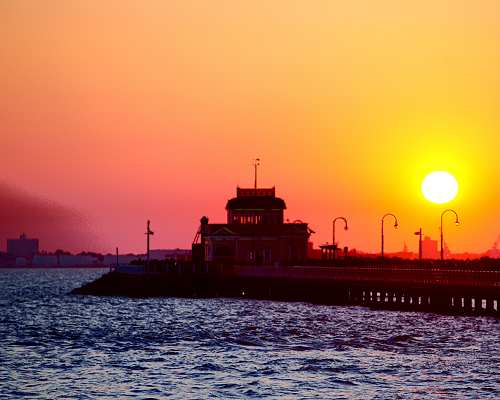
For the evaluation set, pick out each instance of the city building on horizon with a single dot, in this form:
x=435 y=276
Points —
x=430 y=248
x=90 y=259
x=23 y=247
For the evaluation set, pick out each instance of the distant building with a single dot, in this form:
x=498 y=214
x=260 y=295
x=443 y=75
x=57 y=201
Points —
x=430 y=248
x=123 y=259
x=44 y=260
x=255 y=233
x=21 y=262
x=404 y=253
x=493 y=253
x=22 y=247
x=173 y=254
x=78 y=260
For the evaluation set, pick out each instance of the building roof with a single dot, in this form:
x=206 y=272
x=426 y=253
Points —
x=329 y=246
x=256 y=229
x=242 y=192
x=256 y=203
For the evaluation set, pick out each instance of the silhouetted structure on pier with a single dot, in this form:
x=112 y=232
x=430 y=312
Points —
x=255 y=233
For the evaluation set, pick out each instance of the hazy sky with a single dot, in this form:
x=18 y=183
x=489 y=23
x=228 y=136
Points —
x=119 y=111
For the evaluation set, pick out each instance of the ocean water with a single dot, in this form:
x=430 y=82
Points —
x=59 y=346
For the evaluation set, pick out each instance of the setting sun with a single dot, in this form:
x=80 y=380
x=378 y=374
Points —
x=439 y=187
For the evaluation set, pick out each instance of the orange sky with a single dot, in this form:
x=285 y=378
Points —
x=128 y=110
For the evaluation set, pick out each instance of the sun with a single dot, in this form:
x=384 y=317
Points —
x=439 y=187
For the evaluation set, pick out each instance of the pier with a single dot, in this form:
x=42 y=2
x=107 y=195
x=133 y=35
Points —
x=258 y=254
x=443 y=290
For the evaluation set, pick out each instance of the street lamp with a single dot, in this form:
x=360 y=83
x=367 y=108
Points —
x=457 y=222
x=382 y=231
x=419 y=234
x=345 y=228
x=148 y=233
x=256 y=163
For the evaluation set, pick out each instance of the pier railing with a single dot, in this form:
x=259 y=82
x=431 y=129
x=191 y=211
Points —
x=375 y=274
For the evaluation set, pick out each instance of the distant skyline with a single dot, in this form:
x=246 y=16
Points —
x=404 y=252
x=112 y=113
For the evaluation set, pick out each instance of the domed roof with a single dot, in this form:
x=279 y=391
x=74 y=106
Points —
x=256 y=202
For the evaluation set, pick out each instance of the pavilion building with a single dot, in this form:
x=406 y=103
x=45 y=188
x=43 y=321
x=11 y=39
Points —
x=255 y=232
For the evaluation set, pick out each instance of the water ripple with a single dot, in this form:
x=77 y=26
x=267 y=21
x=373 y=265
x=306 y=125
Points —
x=58 y=346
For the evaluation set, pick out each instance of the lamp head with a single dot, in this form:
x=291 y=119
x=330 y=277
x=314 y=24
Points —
x=345 y=228
x=396 y=225
x=457 y=222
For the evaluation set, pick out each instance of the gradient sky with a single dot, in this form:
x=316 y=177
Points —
x=119 y=111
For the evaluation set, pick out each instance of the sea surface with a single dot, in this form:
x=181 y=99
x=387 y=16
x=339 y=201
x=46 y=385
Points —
x=59 y=346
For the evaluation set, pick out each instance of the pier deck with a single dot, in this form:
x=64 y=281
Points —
x=446 y=290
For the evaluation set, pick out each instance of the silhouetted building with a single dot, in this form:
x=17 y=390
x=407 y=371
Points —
x=313 y=253
x=494 y=252
x=22 y=247
x=255 y=232
x=430 y=248
x=404 y=253
x=329 y=252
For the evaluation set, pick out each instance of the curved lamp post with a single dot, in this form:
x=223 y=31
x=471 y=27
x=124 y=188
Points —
x=333 y=224
x=256 y=163
x=457 y=222
x=382 y=231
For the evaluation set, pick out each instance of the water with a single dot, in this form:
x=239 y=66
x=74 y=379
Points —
x=55 y=345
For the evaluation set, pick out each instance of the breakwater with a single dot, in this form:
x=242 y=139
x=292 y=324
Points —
x=450 y=291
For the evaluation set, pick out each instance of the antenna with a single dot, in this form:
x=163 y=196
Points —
x=256 y=163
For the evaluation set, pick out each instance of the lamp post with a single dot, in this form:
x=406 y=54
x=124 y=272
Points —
x=457 y=222
x=333 y=226
x=382 y=231
x=256 y=163
x=419 y=234
x=148 y=233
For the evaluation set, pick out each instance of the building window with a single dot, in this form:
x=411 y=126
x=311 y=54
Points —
x=251 y=255
x=223 y=250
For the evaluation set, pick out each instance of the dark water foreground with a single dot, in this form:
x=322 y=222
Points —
x=54 y=345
